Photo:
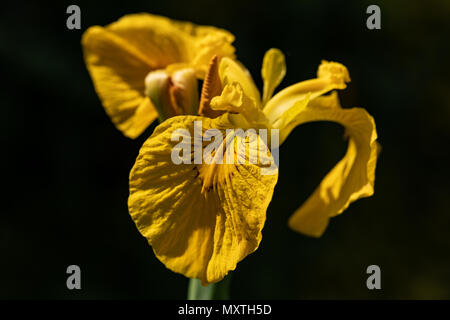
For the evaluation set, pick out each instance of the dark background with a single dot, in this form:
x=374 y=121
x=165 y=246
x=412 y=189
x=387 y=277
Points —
x=65 y=167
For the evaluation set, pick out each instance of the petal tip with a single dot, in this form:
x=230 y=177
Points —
x=334 y=71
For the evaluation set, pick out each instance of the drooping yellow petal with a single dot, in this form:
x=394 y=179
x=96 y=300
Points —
x=273 y=71
x=352 y=178
x=330 y=76
x=118 y=74
x=200 y=219
x=120 y=55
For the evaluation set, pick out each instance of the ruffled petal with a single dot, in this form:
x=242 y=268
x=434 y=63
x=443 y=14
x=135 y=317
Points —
x=200 y=219
x=210 y=42
x=352 y=178
x=231 y=71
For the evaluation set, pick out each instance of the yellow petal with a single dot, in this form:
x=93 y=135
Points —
x=352 y=178
x=273 y=71
x=236 y=79
x=118 y=70
x=210 y=42
x=118 y=76
x=288 y=121
x=234 y=100
x=200 y=219
x=120 y=55
x=231 y=98
x=231 y=71
x=167 y=41
x=330 y=76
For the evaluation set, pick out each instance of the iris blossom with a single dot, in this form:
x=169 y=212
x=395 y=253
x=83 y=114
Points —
x=201 y=219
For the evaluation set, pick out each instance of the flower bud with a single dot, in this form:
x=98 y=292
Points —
x=185 y=90
x=173 y=93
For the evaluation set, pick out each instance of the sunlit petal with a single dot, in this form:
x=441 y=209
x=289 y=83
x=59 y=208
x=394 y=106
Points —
x=231 y=71
x=352 y=178
x=200 y=219
x=330 y=76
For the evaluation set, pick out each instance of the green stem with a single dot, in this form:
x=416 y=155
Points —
x=214 y=291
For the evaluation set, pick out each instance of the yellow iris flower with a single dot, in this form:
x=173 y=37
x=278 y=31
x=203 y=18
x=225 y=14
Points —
x=121 y=55
x=202 y=219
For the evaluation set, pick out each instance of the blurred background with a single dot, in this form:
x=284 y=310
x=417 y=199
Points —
x=65 y=166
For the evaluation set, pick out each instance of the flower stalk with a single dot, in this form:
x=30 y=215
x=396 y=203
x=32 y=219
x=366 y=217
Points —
x=214 y=291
